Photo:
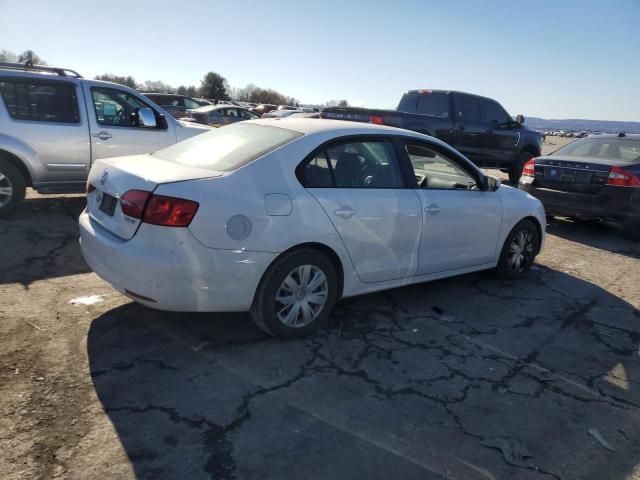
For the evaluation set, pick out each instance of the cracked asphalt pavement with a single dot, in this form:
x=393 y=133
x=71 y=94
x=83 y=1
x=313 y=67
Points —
x=470 y=377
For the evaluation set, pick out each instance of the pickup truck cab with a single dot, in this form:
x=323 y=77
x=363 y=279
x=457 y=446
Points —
x=54 y=125
x=478 y=127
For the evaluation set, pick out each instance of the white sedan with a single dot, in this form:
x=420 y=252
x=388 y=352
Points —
x=284 y=217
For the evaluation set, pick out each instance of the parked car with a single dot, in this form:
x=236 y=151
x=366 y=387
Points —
x=597 y=177
x=280 y=113
x=305 y=115
x=264 y=108
x=175 y=104
x=218 y=115
x=287 y=107
x=477 y=126
x=284 y=217
x=54 y=125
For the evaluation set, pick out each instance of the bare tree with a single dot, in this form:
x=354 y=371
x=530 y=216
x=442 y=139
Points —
x=29 y=56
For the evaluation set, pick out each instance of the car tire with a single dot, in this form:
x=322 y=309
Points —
x=12 y=188
x=519 y=250
x=515 y=172
x=304 y=278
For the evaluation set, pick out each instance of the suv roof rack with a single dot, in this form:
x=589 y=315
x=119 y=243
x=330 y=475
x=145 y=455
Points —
x=30 y=67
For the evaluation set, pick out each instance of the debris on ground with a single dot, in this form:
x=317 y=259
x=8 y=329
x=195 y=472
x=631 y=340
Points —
x=87 y=300
x=595 y=433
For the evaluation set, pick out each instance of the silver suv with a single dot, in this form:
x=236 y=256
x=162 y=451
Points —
x=54 y=124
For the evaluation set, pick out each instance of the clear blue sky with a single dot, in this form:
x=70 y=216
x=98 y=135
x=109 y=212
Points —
x=553 y=59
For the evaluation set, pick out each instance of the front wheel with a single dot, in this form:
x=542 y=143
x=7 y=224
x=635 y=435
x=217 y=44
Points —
x=12 y=188
x=519 y=250
x=296 y=294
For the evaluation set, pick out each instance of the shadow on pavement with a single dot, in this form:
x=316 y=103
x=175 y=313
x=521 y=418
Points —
x=594 y=234
x=40 y=241
x=470 y=377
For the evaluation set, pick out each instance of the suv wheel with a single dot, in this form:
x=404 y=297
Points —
x=519 y=250
x=296 y=294
x=516 y=170
x=12 y=188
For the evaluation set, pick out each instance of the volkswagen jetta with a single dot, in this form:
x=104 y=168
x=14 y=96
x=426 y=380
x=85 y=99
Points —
x=284 y=217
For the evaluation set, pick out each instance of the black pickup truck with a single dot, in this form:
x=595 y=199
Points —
x=476 y=126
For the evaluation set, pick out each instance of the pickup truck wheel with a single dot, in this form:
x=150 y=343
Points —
x=12 y=188
x=516 y=171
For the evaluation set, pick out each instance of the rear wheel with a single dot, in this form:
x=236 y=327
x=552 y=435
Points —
x=516 y=170
x=296 y=294
x=12 y=188
x=519 y=250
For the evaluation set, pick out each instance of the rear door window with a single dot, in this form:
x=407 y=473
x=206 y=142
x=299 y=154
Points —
x=40 y=101
x=469 y=108
x=354 y=164
x=434 y=104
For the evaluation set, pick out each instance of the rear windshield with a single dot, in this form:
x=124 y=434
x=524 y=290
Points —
x=435 y=104
x=623 y=149
x=228 y=148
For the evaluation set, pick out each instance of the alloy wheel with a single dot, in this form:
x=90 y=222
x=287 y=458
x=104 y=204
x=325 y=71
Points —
x=6 y=190
x=521 y=251
x=301 y=296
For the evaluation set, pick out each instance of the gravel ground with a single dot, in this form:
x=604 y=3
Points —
x=470 y=377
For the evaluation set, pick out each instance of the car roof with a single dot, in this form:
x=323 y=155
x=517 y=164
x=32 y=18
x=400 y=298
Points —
x=316 y=125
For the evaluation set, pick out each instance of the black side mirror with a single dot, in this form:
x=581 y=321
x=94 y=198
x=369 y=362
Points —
x=520 y=119
x=491 y=184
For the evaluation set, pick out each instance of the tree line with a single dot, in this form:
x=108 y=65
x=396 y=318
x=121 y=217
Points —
x=213 y=85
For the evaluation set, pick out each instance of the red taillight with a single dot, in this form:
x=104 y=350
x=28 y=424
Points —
x=169 y=211
x=158 y=209
x=622 y=178
x=132 y=203
x=375 y=119
x=529 y=168
x=90 y=188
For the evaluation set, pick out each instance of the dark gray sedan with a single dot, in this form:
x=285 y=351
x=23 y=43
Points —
x=219 y=115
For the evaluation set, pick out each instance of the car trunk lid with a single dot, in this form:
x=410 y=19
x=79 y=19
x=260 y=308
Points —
x=111 y=178
x=572 y=174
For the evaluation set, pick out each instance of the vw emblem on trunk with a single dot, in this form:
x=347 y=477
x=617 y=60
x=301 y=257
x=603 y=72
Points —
x=104 y=176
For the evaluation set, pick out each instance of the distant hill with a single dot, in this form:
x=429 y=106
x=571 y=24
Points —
x=580 y=125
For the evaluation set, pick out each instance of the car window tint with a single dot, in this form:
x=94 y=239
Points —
x=495 y=114
x=469 y=108
x=228 y=148
x=434 y=104
x=610 y=148
x=40 y=101
x=247 y=115
x=317 y=172
x=114 y=107
x=366 y=164
x=435 y=171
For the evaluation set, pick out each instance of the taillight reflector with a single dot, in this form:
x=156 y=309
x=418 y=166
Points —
x=529 y=168
x=133 y=202
x=622 y=178
x=375 y=119
x=169 y=211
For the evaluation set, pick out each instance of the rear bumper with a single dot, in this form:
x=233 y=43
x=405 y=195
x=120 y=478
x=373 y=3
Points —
x=168 y=269
x=619 y=205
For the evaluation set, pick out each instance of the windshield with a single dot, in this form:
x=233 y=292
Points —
x=228 y=148
x=623 y=149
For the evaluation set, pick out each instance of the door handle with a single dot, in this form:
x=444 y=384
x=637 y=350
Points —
x=433 y=209
x=345 y=212
x=102 y=135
